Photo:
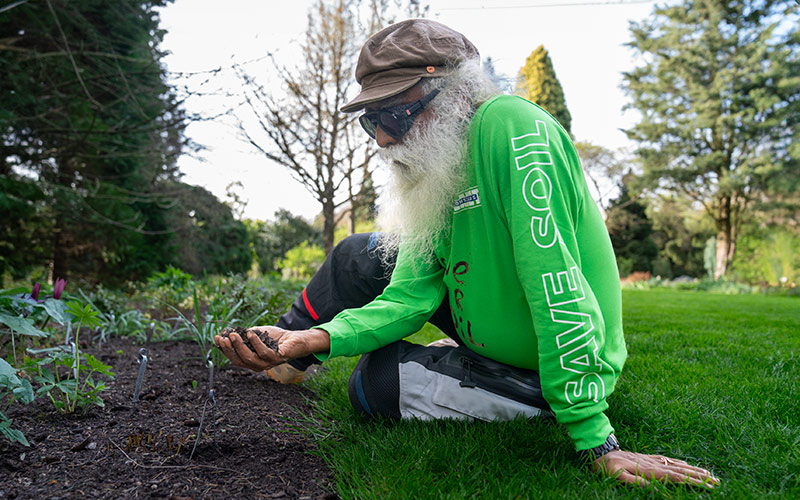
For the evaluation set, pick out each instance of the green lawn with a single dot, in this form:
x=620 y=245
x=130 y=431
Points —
x=712 y=379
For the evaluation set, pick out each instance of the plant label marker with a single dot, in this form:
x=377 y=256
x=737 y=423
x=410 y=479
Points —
x=212 y=399
x=142 y=360
x=73 y=349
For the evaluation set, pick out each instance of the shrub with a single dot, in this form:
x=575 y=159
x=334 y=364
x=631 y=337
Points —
x=302 y=261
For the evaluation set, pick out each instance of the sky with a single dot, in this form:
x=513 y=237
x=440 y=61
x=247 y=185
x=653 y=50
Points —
x=204 y=38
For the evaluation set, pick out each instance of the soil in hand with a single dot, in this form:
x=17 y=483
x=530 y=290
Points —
x=266 y=339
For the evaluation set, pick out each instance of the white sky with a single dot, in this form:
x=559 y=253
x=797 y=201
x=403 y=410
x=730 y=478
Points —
x=585 y=43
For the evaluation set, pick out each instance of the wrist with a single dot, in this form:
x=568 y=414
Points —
x=592 y=454
x=317 y=340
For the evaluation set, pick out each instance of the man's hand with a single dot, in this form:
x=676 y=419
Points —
x=291 y=345
x=636 y=468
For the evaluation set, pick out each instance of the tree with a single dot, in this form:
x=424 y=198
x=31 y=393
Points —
x=303 y=130
x=24 y=234
x=603 y=168
x=538 y=83
x=680 y=233
x=631 y=232
x=720 y=105
x=211 y=239
x=86 y=116
x=271 y=240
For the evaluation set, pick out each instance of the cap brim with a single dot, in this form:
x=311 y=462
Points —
x=379 y=93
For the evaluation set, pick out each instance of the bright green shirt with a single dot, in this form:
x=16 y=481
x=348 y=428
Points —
x=529 y=270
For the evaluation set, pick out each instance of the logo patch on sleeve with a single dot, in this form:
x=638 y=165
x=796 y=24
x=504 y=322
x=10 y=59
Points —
x=468 y=199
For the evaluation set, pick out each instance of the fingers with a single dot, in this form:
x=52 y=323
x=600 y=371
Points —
x=626 y=477
x=636 y=468
x=674 y=470
x=677 y=476
x=240 y=355
x=224 y=345
x=262 y=350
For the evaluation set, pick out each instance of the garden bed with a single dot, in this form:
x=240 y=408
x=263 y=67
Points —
x=122 y=451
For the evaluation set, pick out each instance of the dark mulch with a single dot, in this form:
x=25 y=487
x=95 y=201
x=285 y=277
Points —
x=118 y=452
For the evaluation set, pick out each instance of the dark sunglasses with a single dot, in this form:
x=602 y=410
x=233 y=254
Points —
x=394 y=120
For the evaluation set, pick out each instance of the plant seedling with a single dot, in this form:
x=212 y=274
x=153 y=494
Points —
x=266 y=339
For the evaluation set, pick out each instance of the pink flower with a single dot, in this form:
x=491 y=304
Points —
x=58 y=288
x=35 y=292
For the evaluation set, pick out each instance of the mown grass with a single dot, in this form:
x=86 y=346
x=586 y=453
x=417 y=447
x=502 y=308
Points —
x=710 y=379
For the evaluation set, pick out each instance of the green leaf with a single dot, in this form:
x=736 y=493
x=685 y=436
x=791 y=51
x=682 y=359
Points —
x=47 y=377
x=67 y=386
x=11 y=434
x=6 y=370
x=48 y=350
x=21 y=325
x=83 y=314
x=57 y=310
x=24 y=393
x=98 y=366
x=12 y=292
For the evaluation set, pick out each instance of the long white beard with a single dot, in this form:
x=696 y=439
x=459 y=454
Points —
x=428 y=169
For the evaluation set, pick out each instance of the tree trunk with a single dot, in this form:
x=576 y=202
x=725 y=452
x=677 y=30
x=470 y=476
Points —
x=353 y=203
x=328 y=225
x=725 y=243
x=59 y=249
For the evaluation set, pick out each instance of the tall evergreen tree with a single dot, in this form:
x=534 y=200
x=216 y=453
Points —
x=86 y=116
x=538 y=83
x=720 y=102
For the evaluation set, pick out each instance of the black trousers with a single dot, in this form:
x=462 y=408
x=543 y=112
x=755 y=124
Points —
x=351 y=276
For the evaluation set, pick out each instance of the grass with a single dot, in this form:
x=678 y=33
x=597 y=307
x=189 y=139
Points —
x=711 y=379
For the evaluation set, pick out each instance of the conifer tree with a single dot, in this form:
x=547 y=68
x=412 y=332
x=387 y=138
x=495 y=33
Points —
x=538 y=83
x=720 y=104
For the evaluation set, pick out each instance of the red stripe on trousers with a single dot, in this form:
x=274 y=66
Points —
x=308 y=306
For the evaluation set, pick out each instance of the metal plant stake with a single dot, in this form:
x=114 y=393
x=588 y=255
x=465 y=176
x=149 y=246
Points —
x=142 y=360
x=210 y=364
x=73 y=350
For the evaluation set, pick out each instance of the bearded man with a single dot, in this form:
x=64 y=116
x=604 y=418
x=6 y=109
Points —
x=494 y=238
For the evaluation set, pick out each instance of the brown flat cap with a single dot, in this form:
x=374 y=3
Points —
x=397 y=57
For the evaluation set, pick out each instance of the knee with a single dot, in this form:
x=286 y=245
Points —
x=374 y=385
x=357 y=394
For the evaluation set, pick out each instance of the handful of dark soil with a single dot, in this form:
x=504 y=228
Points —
x=266 y=339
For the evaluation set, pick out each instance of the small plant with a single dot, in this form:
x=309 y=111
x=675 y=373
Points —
x=69 y=383
x=173 y=286
x=15 y=388
x=205 y=327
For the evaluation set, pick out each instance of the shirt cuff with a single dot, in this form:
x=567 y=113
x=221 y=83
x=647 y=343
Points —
x=341 y=333
x=590 y=432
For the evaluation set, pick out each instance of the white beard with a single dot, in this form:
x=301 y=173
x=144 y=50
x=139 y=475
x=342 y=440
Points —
x=428 y=169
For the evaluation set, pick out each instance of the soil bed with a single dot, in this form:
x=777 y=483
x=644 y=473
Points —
x=124 y=452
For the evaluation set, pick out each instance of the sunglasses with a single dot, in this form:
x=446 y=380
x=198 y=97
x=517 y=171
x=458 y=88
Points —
x=396 y=121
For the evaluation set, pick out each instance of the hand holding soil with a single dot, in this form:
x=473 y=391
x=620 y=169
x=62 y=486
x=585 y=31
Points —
x=258 y=355
x=252 y=353
x=242 y=332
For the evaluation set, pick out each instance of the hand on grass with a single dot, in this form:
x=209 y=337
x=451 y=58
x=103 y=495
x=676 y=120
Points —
x=291 y=345
x=640 y=469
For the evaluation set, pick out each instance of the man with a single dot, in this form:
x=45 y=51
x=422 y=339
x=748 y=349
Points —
x=496 y=241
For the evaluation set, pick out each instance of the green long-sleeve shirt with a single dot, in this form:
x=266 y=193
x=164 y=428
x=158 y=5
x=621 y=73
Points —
x=529 y=270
